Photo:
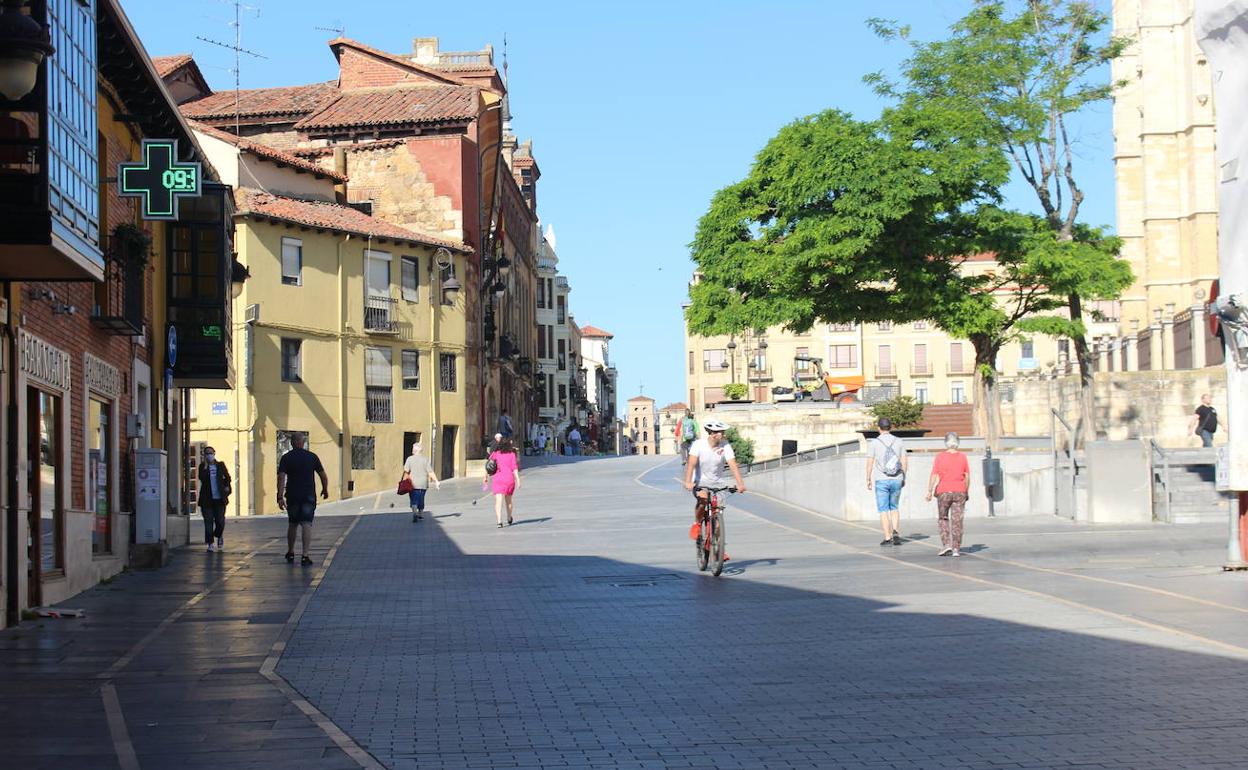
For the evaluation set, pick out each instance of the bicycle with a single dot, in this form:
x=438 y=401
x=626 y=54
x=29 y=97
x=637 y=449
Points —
x=710 y=542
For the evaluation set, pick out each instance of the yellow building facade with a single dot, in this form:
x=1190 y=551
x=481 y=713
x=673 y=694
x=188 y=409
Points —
x=345 y=332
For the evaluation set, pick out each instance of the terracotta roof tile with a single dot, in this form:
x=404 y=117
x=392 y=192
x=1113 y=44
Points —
x=331 y=216
x=437 y=73
x=466 y=67
x=594 y=331
x=166 y=64
x=257 y=102
x=676 y=406
x=267 y=153
x=396 y=107
x=316 y=152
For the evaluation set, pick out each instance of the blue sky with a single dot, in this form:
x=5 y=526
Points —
x=639 y=112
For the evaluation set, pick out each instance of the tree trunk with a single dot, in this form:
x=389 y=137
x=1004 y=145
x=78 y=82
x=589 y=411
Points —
x=987 y=396
x=1087 y=380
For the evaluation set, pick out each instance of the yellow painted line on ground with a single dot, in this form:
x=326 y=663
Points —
x=1233 y=648
x=1236 y=649
x=122 y=745
x=1032 y=567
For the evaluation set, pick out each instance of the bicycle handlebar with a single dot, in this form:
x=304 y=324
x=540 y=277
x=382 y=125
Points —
x=715 y=489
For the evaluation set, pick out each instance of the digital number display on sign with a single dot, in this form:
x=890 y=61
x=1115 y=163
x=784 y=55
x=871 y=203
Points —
x=160 y=180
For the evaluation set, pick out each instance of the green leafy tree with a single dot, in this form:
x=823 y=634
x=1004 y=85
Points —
x=1023 y=69
x=742 y=447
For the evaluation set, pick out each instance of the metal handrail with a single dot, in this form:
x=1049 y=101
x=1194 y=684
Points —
x=1165 y=474
x=1057 y=418
x=805 y=456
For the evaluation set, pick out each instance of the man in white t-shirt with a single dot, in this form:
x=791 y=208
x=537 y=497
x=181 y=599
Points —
x=711 y=459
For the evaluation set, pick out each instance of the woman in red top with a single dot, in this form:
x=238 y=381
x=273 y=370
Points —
x=950 y=480
x=506 y=480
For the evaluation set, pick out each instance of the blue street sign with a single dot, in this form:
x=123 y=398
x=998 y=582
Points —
x=172 y=346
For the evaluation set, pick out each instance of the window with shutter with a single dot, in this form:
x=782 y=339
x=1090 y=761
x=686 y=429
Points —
x=377 y=382
x=411 y=279
x=955 y=358
x=411 y=370
x=446 y=372
x=292 y=370
x=292 y=261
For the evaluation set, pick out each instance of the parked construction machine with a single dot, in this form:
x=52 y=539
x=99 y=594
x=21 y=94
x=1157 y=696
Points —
x=841 y=389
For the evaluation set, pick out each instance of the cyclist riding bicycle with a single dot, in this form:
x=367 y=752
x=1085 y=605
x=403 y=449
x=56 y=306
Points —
x=710 y=458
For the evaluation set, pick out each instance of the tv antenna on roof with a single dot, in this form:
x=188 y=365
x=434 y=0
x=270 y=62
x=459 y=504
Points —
x=238 y=50
x=341 y=29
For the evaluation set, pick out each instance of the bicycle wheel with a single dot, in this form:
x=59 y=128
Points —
x=703 y=554
x=717 y=544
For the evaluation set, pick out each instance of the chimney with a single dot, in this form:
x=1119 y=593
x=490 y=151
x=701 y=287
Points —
x=425 y=50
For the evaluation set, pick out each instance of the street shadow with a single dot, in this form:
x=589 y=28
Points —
x=445 y=515
x=578 y=643
x=918 y=537
x=541 y=520
x=976 y=548
x=740 y=567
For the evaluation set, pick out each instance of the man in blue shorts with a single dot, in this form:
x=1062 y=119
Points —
x=886 y=475
x=296 y=493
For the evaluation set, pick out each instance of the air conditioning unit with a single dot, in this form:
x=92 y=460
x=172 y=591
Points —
x=251 y=314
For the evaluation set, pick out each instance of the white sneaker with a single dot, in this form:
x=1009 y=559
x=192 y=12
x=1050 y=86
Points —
x=220 y=545
x=211 y=548
x=945 y=552
x=956 y=552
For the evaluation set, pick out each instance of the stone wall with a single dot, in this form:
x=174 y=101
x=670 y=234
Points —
x=1156 y=405
x=394 y=180
x=810 y=424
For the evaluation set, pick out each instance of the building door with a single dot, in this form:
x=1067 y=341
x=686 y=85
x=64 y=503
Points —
x=45 y=522
x=409 y=437
x=448 y=451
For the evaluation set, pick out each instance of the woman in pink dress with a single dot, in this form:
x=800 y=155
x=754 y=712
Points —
x=506 y=480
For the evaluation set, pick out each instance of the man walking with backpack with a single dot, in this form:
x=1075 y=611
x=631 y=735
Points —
x=686 y=434
x=886 y=475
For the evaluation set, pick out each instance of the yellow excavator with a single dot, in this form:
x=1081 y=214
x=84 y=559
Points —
x=842 y=389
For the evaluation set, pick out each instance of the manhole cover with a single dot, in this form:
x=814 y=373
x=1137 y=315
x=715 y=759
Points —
x=632 y=581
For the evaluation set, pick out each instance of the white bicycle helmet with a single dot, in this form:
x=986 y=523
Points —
x=714 y=426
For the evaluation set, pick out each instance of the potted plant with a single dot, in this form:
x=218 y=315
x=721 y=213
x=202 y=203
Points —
x=133 y=242
x=735 y=390
x=904 y=412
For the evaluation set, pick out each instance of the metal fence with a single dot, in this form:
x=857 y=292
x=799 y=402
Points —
x=810 y=455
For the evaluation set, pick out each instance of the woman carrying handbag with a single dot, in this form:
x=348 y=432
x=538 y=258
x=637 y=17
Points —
x=417 y=473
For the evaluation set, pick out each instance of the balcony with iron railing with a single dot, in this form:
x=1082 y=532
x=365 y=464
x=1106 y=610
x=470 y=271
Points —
x=378 y=405
x=760 y=374
x=380 y=315
x=885 y=371
x=921 y=369
x=118 y=307
x=959 y=368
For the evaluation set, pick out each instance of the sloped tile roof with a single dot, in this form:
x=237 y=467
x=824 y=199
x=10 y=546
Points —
x=331 y=216
x=166 y=64
x=437 y=73
x=316 y=152
x=594 y=331
x=262 y=102
x=267 y=153
x=675 y=406
x=395 y=107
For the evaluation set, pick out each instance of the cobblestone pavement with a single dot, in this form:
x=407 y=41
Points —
x=584 y=637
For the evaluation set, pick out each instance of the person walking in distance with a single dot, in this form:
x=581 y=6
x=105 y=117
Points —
x=886 y=475
x=686 y=434
x=296 y=493
x=950 y=481
x=418 y=470
x=574 y=441
x=1205 y=421
x=505 y=481
x=214 y=496
x=505 y=426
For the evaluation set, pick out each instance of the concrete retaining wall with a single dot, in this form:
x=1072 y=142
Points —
x=837 y=486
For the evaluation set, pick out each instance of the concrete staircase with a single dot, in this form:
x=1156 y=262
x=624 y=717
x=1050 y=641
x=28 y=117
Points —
x=1186 y=477
x=940 y=419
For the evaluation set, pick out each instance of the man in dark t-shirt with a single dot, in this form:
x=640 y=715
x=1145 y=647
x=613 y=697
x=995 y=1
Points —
x=296 y=493
x=1205 y=421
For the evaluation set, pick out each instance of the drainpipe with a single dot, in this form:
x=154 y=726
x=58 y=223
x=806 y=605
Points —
x=435 y=366
x=343 y=464
x=11 y=550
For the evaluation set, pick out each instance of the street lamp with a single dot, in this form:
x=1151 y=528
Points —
x=238 y=276
x=732 y=358
x=450 y=286
x=23 y=47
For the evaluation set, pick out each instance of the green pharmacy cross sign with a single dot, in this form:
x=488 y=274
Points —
x=160 y=180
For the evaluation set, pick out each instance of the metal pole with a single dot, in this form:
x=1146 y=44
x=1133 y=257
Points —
x=991 y=488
